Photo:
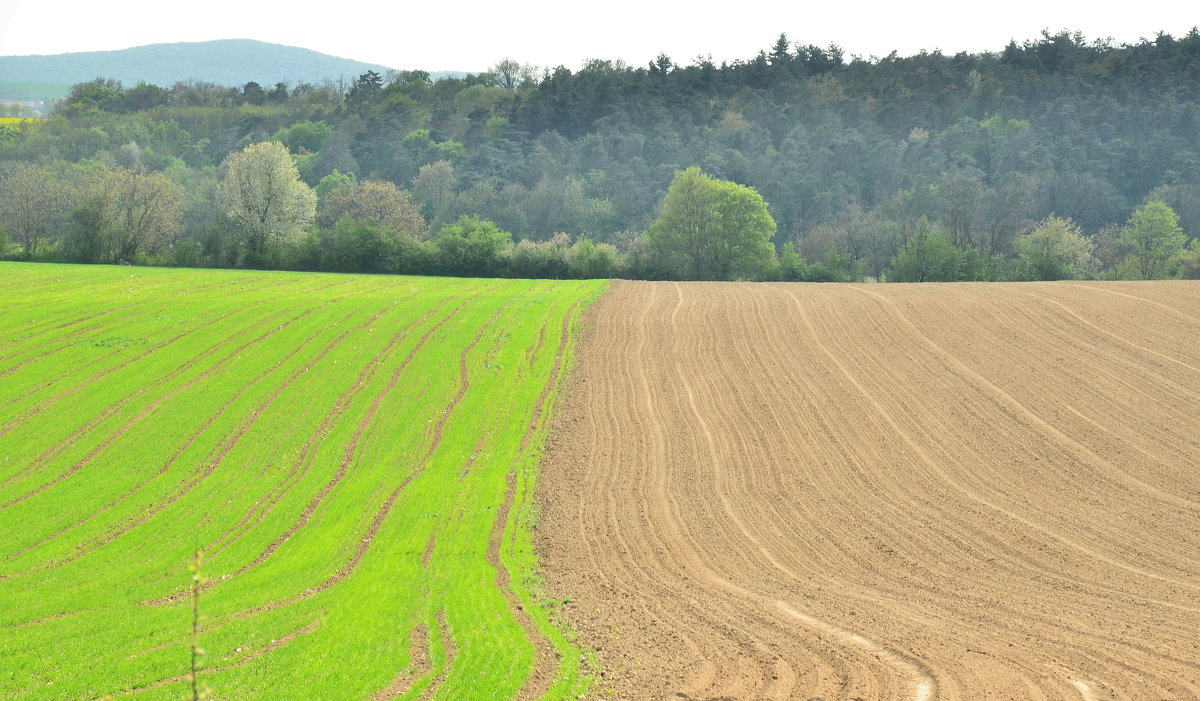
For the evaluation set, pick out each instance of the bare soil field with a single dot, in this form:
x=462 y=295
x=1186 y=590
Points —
x=969 y=491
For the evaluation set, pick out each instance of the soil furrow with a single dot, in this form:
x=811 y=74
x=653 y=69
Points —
x=886 y=492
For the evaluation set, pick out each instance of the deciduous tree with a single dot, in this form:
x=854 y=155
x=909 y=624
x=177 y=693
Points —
x=262 y=193
x=931 y=256
x=713 y=229
x=1154 y=240
x=1054 y=250
x=33 y=202
x=124 y=214
x=375 y=203
x=472 y=246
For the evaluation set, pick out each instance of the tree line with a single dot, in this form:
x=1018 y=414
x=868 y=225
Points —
x=1053 y=158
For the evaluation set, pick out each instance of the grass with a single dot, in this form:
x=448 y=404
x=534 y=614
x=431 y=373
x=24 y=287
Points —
x=354 y=455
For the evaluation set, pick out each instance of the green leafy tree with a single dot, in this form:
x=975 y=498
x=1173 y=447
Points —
x=1054 y=250
x=713 y=229
x=362 y=248
x=931 y=256
x=305 y=136
x=1154 y=241
x=331 y=182
x=262 y=193
x=472 y=247
x=592 y=261
x=1191 y=261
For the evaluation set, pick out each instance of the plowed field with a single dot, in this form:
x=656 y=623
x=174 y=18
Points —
x=883 y=492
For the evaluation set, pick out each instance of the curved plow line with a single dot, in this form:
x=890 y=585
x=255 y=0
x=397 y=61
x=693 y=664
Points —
x=46 y=619
x=919 y=450
x=499 y=530
x=954 y=483
x=343 y=402
x=31 y=394
x=55 y=379
x=109 y=411
x=1019 y=409
x=431 y=669
x=41 y=407
x=1167 y=308
x=924 y=684
x=917 y=674
x=502 y=539
x=62 y=378
x=1110 y=334
x=52 y=340
x=146 y=411
x=207 y=671
x=364 y=543
x=997 y=547
x=49 y=324
x=112 y=310
x=237 y=433
x=447 y=637
x=73 y=334
x=95 y=378
x=1108 y=366
x=427 y=662
x=121 y=529
x=232 y=438
x=420 y=653
x=304 y=460
x=999 y=551
x=217 y=455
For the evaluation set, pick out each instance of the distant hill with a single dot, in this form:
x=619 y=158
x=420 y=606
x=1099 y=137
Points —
x=225 y=62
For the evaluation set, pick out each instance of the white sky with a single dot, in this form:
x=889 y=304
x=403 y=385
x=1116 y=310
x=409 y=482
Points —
x=473 y=35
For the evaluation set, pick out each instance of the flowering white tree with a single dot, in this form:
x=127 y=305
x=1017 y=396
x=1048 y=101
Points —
x=262 y=192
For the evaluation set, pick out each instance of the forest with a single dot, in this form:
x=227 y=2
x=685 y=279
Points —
x=1059 y=157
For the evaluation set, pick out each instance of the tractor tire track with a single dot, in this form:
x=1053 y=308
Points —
x=546 y=660
x=217 y=455
x=350 y=450
x=124 y=527
x=887 y=492
x=155 y=404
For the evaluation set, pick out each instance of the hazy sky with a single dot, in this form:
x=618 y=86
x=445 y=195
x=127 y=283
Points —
x=471 y=36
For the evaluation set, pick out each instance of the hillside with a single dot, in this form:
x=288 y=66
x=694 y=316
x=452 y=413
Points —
x=927 y=167
x=225 y=62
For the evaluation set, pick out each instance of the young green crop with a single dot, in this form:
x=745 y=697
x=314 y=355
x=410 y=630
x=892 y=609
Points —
x=353 y=455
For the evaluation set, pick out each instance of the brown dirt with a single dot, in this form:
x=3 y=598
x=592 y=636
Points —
x=786 y=491
x=418 y=666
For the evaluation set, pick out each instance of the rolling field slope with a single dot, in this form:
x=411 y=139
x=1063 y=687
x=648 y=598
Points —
x=354 y=455
x=971 y=491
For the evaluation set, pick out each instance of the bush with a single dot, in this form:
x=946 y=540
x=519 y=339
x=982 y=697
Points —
x=591 y=261
x=930 y=256
x=793 y=268
x=472 y=247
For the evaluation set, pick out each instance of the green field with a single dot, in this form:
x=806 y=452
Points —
x=354 y=455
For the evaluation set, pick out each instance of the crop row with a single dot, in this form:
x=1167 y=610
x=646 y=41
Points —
x=351 y=454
